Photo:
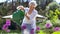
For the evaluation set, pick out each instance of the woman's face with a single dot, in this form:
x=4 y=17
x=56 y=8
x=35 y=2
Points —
x=31 y=6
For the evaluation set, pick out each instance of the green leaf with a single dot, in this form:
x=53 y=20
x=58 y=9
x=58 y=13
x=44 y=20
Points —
x=41 y=32
x=57 y=32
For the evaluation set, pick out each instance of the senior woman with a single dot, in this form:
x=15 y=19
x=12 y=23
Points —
x=29 y=22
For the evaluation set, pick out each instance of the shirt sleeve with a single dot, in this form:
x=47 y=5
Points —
x=26 y=10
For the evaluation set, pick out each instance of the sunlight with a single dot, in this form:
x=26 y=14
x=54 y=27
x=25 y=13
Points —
x=58 y=1
x=2 y=1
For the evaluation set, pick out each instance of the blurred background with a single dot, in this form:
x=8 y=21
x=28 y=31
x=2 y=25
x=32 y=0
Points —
x=47 y=8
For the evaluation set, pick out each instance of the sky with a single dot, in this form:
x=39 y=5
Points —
x=11 y=0
x=5 y=0
x=58 y=1
x=2 y=1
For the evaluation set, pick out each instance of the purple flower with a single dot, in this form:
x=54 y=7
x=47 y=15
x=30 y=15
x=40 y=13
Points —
x=8 y=22
x=48 y=25
x=8 y=30
x=32 y=31
x=23 y=27
x=37 y=28
x=4 y=27
x=57 y=29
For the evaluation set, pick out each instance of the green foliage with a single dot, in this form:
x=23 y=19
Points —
x=53 y=16
x=53 y=6
x=41 y=32
x=3 y=10
x=57 y=32
x=57 y=11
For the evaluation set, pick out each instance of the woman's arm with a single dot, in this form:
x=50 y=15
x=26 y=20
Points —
x=27 y=16
x=32 y=16
x=22 y=8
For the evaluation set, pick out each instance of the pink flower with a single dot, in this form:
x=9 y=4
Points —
x=8 y=22
x=48 y=25
x=57 y=29
x=23 y=27
x=32 y=31
x=37 y=28
x=8 y=30
x=4 y=27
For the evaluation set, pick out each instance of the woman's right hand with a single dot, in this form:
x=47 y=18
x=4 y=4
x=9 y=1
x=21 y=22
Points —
x=27 y=16
x=20 y=7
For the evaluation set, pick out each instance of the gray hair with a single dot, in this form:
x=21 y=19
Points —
x=33 y=3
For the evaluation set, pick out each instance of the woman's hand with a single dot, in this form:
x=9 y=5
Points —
x=30 y=11
x=20 y=7
x=27 y=16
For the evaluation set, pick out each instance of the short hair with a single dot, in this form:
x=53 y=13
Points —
x=33 y=3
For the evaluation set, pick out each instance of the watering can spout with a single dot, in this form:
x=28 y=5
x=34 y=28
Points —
x=9 y=16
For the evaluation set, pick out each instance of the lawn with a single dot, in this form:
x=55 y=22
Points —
x=11 y=32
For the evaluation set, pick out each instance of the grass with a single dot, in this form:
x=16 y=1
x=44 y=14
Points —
x=11 y=32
